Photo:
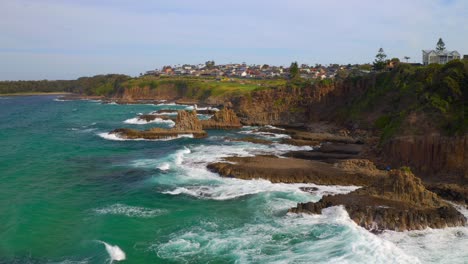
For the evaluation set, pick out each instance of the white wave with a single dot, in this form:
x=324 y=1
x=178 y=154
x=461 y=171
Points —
x=139 y=121
x=59 y=100
x=180 y=155
x=130 y=211
x=115 y=252
x=167 y=104
x=273 y=127
x=164 y=167
x=264 y=134
x=112 y=103
x=115 y=137
x=234 y=188
x=195 y=107
x=111 y=136
x=448 y=245
x=295 y=238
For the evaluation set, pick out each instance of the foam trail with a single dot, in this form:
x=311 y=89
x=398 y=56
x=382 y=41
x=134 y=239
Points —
x=130 y=211
x=115 y=253
x=115 y=137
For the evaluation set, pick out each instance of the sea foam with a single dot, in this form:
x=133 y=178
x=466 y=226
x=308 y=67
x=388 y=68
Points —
x=138 y=121
x=115 y=137
x=130 y=211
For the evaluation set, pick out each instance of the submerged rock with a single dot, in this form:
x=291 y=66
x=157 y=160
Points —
x=397 y=202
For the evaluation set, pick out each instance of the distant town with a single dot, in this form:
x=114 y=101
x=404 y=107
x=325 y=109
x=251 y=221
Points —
x=241 y=70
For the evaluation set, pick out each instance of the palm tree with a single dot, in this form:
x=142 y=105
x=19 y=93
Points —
x=407 y=58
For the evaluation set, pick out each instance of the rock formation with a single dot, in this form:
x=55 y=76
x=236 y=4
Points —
x=223 y=119
x=187 y=123
x=397 y=202
x=289 y=170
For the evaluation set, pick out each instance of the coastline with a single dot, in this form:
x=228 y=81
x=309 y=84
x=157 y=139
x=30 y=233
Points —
x=35 y=93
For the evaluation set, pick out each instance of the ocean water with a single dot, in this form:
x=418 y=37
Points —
x=70 y=193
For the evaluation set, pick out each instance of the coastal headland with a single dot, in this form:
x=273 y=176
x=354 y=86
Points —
x=401 y=135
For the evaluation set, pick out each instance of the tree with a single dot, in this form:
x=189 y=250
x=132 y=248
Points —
x=294 y=70
x=440 y=45
x=210 y=64
x=379 y=63
x=407 y=58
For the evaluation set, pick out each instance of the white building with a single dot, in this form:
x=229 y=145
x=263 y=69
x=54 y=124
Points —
x=439 y=57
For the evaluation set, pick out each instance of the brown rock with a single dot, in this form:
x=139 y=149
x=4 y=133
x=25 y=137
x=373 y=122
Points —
x=397 y=202
x=223 y=119
x=290 y=170
x=186 y=123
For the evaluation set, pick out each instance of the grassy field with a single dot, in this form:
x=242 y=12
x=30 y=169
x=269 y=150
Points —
x=204 y=85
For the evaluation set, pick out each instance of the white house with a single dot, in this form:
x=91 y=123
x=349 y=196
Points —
x=439 y=57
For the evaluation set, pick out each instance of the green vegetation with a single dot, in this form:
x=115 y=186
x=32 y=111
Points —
x=97 y=85
x=204 y=87
x=294 y=70
x=440 y=45
x=432 y=97
x=379 y=63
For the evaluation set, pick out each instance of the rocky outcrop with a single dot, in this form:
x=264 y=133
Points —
x=431 y=155
x=187 y=121
x=223 y=119
x=397 y=202
x=288 y=170
x=187 y=124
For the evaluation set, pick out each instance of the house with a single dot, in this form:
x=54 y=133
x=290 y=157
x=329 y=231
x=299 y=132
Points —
x=465 y=57
x=439 y=57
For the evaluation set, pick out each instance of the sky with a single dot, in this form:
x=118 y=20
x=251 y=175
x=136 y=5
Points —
x=66 y=39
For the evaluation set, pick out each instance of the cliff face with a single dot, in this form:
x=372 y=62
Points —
x=431 y=155
x=296 y=106
x=146 y=93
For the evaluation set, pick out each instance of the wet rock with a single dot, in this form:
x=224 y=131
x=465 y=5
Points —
x=397 y=202
x=289 y=170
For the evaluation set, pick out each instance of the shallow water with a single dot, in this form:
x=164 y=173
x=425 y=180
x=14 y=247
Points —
x=68 y=195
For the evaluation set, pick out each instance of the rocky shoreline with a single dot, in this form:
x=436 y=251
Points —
x=389 y=200
x=397 y=202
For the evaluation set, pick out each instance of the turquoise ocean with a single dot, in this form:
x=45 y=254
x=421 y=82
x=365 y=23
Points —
x=71 y=193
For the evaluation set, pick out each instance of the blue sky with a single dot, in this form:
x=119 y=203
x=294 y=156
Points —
x=66 y=39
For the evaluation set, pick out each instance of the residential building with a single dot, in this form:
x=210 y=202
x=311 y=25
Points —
x=439 y=57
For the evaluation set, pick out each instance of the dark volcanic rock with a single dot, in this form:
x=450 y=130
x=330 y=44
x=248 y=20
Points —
x=397 y=202
x=452 y=192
